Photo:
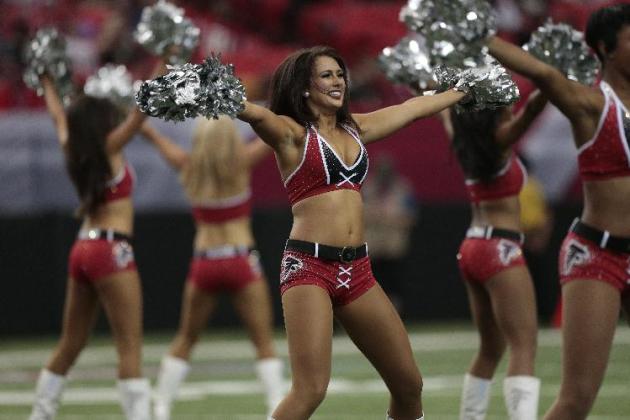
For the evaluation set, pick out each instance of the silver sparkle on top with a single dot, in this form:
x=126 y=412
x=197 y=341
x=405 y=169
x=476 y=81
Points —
x=489 y=86
x=455 y=30
x=163 y=25
x=209 y=89
x=407 y=62
x=564 y=48
x=113 y=82
x=46 y=54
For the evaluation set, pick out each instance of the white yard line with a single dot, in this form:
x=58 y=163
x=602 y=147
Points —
x=242 y=349
x=446 y=385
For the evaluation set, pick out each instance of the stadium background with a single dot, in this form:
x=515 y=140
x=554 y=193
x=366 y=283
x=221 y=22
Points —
x=37 y=227
x=37 y=199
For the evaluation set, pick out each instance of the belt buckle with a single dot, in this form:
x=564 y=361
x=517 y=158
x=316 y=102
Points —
x=347 y=254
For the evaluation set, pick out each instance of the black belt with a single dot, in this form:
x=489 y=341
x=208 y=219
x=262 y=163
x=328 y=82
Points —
x=106 y=234
x=345 y=254
x=487 y=232
x=603 y=238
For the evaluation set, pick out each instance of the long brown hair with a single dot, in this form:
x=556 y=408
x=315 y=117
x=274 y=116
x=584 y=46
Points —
x=214 y=156
x=474 y=142
x=90 y=120
x=293 y=77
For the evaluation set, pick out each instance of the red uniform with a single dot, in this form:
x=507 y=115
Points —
x=509 y=181
x=99 y=253
x=223 y=210
x=224 y=269
x=321 y=170
x=607 y=154
x=588 y=253
x=487 y=251
x=480 y=258
x=120 y=186
x=227 y=268
x=344 y=282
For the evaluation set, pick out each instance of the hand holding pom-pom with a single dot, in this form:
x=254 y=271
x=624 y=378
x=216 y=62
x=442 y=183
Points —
x=455 y=30
x=486 y=87
x=163 y=29
x=564 y=48
x=112 y=82
x=209 y=89
x=46 y=54
x=407 y=63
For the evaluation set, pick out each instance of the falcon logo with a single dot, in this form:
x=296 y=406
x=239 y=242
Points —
x=516 y=396
x=290 y=265
x=577 y=254
x=508 y=251
x=123 y=254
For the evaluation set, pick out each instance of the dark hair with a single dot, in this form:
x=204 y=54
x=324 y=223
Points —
x=475 y=144
x=293 y=77
x=604 y=24
x=90 y=120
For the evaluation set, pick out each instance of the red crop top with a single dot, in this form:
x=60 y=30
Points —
x=322 y=170
x=120 y=186
x=506 y=183
x=223 y=209
x=607 y=155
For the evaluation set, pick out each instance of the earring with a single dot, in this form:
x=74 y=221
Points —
x=306 y=94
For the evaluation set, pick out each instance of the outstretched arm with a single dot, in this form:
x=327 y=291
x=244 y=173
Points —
x=383 y=122
x=445 y=118
x=572 y=98
x=275 y=130
x=511 y=131
x=124 y=132
x=56 y=110
x=176 y=156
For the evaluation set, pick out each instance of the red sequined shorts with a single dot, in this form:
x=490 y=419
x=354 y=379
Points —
x=226 y=269
x=92 y=259
x=583 y=259
x=344 y=281
x=481 y=259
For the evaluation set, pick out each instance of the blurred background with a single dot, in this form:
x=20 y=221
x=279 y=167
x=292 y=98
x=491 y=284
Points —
x=37 y=200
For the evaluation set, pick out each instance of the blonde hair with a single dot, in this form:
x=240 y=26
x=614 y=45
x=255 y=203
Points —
x=214 y=159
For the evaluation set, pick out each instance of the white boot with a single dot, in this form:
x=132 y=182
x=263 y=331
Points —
x=521 y=397
x=475 y=398
x=173 y=371
x=47 y=395
x=269 y=372
x=135 y=398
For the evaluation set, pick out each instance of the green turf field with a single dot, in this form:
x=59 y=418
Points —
x=222 y=383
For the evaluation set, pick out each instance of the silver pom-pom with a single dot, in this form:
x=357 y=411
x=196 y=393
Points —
x=162 y=26
x=488 y=86
x=564 y=48
x=209 y=89
x=455 y=30
x=46 y=54
x=113 y=82
x=407 y=62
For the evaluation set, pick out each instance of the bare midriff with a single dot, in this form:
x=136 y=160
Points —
x=334 y=218
x=607 y=205
x=503 y=213
x=233 y=232
x=116 y=215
